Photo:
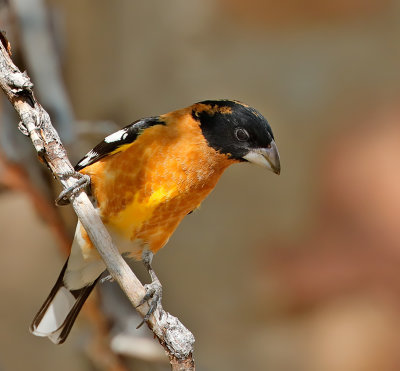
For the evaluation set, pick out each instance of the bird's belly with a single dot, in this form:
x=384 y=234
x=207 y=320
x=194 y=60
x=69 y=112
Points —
x=133 y=248
x=147 y=223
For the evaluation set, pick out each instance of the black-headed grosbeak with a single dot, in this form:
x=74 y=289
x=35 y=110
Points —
x=145 y=178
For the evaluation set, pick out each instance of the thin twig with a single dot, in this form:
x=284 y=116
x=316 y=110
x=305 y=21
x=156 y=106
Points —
x=35 y=122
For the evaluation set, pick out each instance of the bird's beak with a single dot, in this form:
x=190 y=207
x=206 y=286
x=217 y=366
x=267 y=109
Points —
x=266 y=157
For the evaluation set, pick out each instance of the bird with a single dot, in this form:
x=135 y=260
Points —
x=144 y=179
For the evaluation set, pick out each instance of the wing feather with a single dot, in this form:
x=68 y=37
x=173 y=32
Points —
x=113 y=142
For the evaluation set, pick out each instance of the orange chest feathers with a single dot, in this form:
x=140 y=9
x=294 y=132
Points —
x=147 y=188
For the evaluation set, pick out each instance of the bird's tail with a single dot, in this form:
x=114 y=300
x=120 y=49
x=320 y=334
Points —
x=58 y=313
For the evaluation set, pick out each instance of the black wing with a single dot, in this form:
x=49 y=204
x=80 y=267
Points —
x=111 y=143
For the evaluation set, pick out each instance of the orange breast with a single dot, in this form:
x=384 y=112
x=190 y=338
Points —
x=146 y=190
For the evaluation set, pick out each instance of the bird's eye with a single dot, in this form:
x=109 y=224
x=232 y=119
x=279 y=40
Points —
x=241 y=134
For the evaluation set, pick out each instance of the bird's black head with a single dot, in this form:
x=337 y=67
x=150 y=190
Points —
x=237 y=130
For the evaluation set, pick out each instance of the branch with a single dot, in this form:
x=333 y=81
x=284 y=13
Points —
x=35 y=122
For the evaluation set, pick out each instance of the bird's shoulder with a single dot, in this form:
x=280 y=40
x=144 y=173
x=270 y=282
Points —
x=114 y=142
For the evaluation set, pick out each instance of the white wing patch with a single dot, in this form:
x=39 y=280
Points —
x=85 y=161
x=112 y=142
x=117 y=136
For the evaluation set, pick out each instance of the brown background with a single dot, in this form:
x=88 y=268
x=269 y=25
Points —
x=297 y=272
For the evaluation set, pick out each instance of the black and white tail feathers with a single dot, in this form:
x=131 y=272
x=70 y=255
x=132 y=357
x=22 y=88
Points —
x=58 y=313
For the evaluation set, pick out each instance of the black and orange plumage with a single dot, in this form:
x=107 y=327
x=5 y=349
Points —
x=145 y=178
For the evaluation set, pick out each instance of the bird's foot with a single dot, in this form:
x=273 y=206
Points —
x=107 y=278
x=83 y=181
x=153 y=297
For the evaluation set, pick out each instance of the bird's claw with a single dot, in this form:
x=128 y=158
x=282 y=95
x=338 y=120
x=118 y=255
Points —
x=83 y=180
x=153 y=297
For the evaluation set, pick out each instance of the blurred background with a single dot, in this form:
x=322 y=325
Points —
x=299 y=272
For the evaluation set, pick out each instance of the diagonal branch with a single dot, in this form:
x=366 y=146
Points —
x=35 y=123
